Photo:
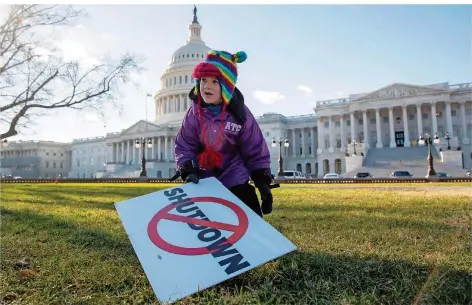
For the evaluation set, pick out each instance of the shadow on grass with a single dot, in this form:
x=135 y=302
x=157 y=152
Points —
x=78 y=236
x=321 y=278
x=409 y=206
x=297 y=278
x=96 y=198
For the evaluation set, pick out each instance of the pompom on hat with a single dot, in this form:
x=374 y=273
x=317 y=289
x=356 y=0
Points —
x=222 y=65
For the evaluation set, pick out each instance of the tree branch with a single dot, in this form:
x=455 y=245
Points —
x=32 y=85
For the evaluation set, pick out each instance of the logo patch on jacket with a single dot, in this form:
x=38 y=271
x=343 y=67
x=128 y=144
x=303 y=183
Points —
x=232 y=127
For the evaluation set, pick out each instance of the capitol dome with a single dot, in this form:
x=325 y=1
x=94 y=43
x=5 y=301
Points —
x=172 y=100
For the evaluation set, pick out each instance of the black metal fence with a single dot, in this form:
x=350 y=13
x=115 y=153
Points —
x=287 y=181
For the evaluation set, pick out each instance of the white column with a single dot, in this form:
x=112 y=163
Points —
x=171 y=149
x=392 y=130
x=313 y=150
x=331 y=166
x=182 y=103
x=406 y=132
x=303 y=143
x=332 y=138
x=159 y=150
x=122 y=151
x=128 y=152
x=153 y=149
x=320 y=135
x=294 y=146
x=133 y=147
x=109 y=149
x=434 y=119
x=449 y=119
x=419 y=120
x=379 y=131
x=366 y=129
x=343 y=136
x=465 y=138
x=166 y=149
x=353 y=127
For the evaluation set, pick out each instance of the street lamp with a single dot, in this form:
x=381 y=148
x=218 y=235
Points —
x=142 y=142
x=281 y=162
x=354 y=143
x=429 y=141
x=4 y=143
x=448 y=137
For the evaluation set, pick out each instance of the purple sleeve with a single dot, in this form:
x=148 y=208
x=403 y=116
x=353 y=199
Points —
x=253 y=147
x=187 y=140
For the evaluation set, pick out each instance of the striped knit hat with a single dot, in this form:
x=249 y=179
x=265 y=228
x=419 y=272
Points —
x=222 y=65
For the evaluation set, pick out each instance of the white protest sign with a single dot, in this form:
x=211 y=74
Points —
x=193 y=236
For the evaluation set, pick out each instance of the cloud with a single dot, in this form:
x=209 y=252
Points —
x=339 y=93
x=73 y=50
x=307 y=90
x=91 y=117
x=268 y=97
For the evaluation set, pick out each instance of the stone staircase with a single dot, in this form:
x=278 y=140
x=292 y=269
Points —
x=381 y=162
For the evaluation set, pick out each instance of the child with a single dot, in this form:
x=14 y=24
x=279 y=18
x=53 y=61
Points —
x=220 y=137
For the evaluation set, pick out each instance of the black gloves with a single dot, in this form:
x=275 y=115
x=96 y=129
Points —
x=262 y=179
x=189 y=172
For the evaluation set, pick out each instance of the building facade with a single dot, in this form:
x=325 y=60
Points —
x=392 y=117
x=35 y=159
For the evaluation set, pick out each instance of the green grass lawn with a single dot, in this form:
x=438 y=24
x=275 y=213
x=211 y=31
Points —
x=375 y=244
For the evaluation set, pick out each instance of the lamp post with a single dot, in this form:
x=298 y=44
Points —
x=429 y=141
x=354 y=143
x=281 y=162
x=142 y=142
x=448 y=138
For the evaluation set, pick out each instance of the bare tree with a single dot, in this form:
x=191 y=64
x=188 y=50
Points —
x=32 y=84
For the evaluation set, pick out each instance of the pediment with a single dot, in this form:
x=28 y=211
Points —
x=141 y=127
x=396 y=91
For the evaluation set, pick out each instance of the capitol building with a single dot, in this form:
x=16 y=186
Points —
x=371 y=131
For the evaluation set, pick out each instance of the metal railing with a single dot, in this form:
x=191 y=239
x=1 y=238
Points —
x=286 y=181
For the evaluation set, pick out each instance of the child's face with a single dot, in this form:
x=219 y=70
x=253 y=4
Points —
x=210 y=90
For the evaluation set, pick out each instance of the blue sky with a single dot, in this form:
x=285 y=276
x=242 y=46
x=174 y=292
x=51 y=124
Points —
x=334 y=50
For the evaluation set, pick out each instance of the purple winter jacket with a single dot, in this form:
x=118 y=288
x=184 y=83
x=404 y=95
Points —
x=243 y=147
